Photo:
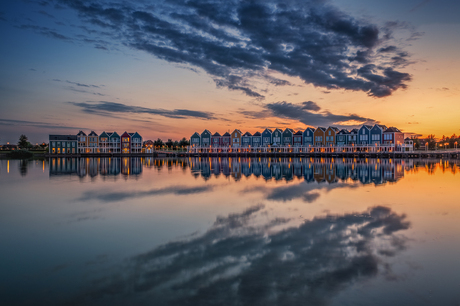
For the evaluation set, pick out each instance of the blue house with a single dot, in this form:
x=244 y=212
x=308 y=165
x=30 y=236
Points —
x=216 y=140
x=206 y=138
x=246 y=140
x=288 y=134
x=377 y=134
x=341 y=138
x=352 y=137
x=267 y=137
x=364 y=135
x=257 y=140
x=308 y=137
x=277 y=137
x=195 y=140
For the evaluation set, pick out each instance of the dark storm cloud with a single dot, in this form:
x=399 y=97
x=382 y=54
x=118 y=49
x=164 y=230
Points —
x=305 y=112
x=242 y=261
x=104 y=107
x=122 y=195
x=233 y=40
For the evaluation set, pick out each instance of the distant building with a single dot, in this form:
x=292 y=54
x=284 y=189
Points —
x=63 y=144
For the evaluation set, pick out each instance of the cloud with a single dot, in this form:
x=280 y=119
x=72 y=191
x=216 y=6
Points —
x=11 y=122
x=77 y=84
x=306 y=112
x=249 y=262
x=237 y=42
x=106 y=108
x=45 y=31
x=122 y=195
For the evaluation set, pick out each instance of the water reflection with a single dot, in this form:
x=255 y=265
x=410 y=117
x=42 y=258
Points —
x=242 y=260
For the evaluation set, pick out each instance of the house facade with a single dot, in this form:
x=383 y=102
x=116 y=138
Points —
x=216 y=140
x=246 y=140
x=288 y=136
x=93 y=143
x=63 y=144
x=125 y=145
x=226 y=140
x=308 y=137
x=136 y=142
x=297 y=139
x=195 y=140
x=114 y=142
x=364 y=135
x=82 y=140
x=377 y=134
x=352 y=138
x=330 y=135
x=205 y=139
x=236 y=138
x=393 y=136
x=257 y=140
x=104 y=142
x=267 y=137
x=341 y=138
x=277 y=137
x=320 y=137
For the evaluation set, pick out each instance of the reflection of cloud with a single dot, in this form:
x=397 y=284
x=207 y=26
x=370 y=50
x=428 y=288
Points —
x=307 y=192
x=247 y=263
x=122 y=195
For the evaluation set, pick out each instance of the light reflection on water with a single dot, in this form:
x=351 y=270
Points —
x=229 y=232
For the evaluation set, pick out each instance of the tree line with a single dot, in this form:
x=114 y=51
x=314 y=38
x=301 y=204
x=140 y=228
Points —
x=170 y=144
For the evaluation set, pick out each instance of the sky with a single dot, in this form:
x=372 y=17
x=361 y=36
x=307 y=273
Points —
x=168 y=68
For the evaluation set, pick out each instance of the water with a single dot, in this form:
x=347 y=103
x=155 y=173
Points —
x=138 y=231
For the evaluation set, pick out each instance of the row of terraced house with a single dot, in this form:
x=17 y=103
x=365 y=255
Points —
x=366 y=135
x=106 y=142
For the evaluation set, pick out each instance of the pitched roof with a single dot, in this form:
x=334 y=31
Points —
x=367 y=126
x=268 y=130
x=104 y=134
x=299 y=133
x=392 y=130
x=344 y=131
x=383 y=127
x=257 y=134
x=321 y=128
x=81 y=133
x=288 y=129
x=354 y=131
x=216 y=135
x=247 y=134
x=92 y=133
x=226 y=134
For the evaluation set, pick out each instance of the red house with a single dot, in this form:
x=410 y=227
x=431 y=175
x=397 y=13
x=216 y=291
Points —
x=393 y=136
x=125 y=143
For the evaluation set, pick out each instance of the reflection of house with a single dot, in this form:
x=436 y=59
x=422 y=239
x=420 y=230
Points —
x=63 y=144
x=63 y=166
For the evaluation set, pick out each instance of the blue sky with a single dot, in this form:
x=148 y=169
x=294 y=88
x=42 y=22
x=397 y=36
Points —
x=168 y=68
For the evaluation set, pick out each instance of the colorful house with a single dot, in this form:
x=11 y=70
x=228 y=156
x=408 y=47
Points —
x=393 y=136
x=330 y=135
x=353 y=137
x=246 y=140
x=104 y=142
x=297 y=139
x=320 y=137
x=125 y=145
x=82 y=140
x=288 y=134
x=341 y=138
x=147 y=147
x=195 y=140
x=277 y=137
x=226 y=140
x=216 y=140
x=206 y=138
x=377 y=134
x=236 y=138
x=308 y=137
x=114 y=142
x=93 y=143
x=257 y=139
x=136 y=142
x=267 y=137
x=364 y=135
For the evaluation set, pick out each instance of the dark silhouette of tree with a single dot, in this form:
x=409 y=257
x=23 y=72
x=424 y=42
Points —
x=158 y=143
x=431 y=142
x=169 y=144
x=23 y=142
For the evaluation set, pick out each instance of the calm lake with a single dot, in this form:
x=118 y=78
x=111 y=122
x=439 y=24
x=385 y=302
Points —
x=140 y=231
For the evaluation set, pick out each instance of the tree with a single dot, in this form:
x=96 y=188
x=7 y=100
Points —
x=184 y=142
x=176 y=145
x=431 y=142
x=169 y=143
x=158 y=143
x=23 y=142
x=416 y=143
